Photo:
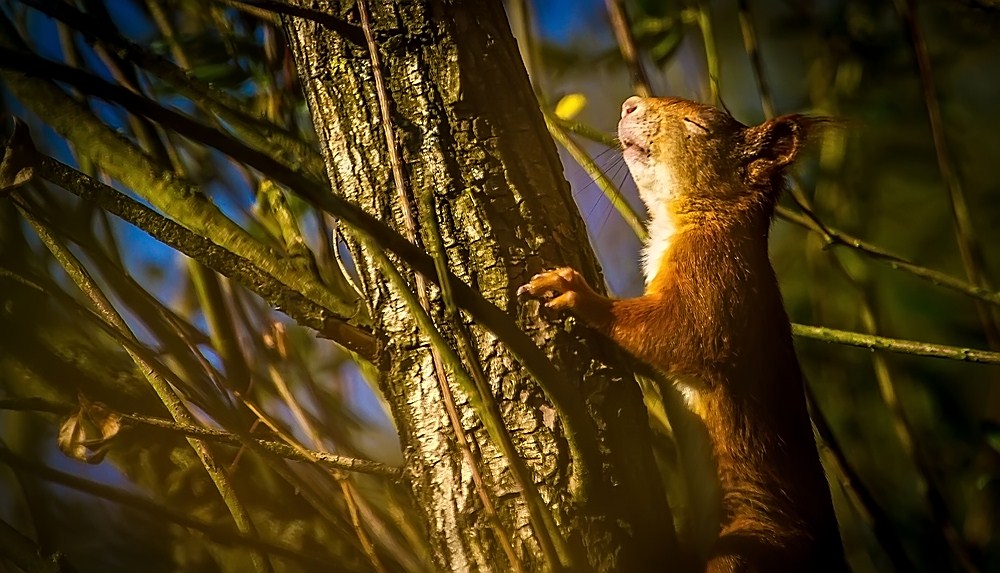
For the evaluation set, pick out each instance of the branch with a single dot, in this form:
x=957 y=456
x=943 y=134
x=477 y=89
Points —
x=167 y=394
x=900 y=346
x=279 y=449
x=833 y=236
x=756 y=64
x=41 y=97
x=597 y=175
x=968 y=244
x=703 y=19
x=140 y=503
x=346 y=30
x=584 y=130
x=263 y=135
x=277 y=294
x=867 y=506
x=626 y=43
x=26 y=555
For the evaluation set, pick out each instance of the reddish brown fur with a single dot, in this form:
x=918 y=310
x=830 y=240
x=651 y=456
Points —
x=712 y=317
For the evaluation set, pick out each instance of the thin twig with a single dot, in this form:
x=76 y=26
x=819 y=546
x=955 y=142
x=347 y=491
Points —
x=836 y=237
x=609 y=189
x=163 y=390
x=54 y=104
x=703 y=18
x=756 y=63
x=626 y=43
x=346 y=30
x=521 y=23
x=374 y=517
x=327 y=459
x=271 y=422
x=343 y=481
x=350 y=494
x=854 y=487
x=145 y=505
x=585 y=131
x=493 y=418
x=897 y=345
x=968 y=244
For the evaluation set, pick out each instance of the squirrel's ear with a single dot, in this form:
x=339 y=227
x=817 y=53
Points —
x=774 y=144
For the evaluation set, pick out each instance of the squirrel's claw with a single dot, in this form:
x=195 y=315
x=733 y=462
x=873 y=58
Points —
x=571 y=293
x=557 y=281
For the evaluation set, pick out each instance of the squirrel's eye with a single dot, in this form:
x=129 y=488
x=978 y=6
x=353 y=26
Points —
x=694 y=123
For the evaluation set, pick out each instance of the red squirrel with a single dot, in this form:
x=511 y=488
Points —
x=712 y=320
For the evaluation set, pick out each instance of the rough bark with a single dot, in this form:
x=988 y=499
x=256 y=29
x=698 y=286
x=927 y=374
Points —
x=471 y=133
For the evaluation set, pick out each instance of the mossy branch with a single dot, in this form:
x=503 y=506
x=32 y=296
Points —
x=123 y=161
x=896 y=345
x=277 y=294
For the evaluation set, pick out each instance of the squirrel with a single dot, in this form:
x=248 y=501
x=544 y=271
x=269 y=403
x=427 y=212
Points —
x=712 y=319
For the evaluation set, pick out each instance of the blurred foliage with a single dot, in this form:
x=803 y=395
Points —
x=921 y=434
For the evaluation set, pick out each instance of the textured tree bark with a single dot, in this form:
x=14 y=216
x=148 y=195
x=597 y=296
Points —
x=472 y=135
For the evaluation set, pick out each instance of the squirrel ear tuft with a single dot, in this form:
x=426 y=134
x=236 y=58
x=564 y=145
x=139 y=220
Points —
x=776 y=143
x=783 y=137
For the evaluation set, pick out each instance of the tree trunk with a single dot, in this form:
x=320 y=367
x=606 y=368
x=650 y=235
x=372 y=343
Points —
x=471 y=134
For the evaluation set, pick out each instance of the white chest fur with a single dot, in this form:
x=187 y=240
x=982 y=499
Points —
x=657 y=194
x=661 y=231
x=657 y=188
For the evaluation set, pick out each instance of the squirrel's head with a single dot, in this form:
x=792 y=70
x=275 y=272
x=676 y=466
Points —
x=696 y=159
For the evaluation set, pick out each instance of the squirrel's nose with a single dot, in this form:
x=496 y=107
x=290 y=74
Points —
x=630 y=105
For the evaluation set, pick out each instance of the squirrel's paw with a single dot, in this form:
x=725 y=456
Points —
x=567 y=284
